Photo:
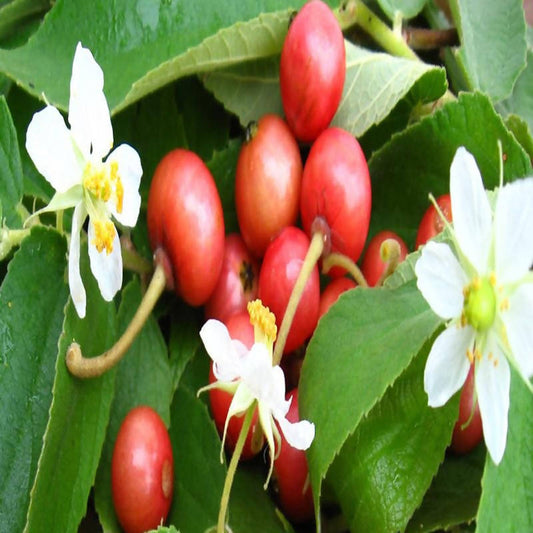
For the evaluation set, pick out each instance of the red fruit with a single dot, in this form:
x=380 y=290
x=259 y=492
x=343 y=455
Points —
x=336 y=186
x=312 y=70
x=332 y=292
x=373 y=266
x=281 y=265
x=464 y=440
x=267 y=183
x=431 y=223
x=237 y=283
x=292 y=474
x=185 y=221
x=239 y=327
x=142 y=471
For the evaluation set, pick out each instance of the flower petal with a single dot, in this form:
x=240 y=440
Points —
x=106 y=268
x=518 y=320
x=77 y=290
x=51 y=149
x=130 y=172
x=88 y=114
x=492 y=387
x=265 y=419
x=513 y=228
x=299 y=435
x=447 y=365
x=224 y=351
x=472 y=216
x=441 y=279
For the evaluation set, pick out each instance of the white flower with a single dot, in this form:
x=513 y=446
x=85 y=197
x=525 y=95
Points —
x=250 y=376
x=73 y=162
x=485 y=292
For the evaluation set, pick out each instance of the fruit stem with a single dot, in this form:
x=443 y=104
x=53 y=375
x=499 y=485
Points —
x=428 y=39
x=356 y=12
x=232 y=468
x=90 y=367
x=316 y=247
x=343 y=261
x=390 y=253
x=132 y=259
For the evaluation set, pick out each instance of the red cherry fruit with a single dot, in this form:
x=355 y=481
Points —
x=464 y=440
x=142 y=471
x=336 y=186
x=332 y=292
x=373 y=266
x=239 y=327
x=312 y=70
x=281 y=265
x=237 y=283
x=267 y=182
x=431 y=223
x=292 y=474
x=186 y=222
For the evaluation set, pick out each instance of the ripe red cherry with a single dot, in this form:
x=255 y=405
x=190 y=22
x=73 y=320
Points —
x=292 y=474
x=331 y=293
x=336 y=186
x=185 y=221
x=267 y=183
x=237 y=282
x=431 y=223
x=312 y=70
x=142 y=471
x=281 y=265
x=372 y=266
x=239 y=327
x=464 y=440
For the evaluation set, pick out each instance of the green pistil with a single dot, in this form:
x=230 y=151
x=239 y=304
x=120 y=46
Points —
x=480 y=304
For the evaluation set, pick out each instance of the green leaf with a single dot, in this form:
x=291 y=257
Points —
x=143 y=378
x=507 y=498
x=403 y=174
x=251 y=90
x=407 y=9
x=14 y=13
x=360 y=347
x=453 y=497
x=520 y=129
x=493 y=44
x=386 y=466
x=31 y=317
x=521 y=101
x=78 y=419
x=10 y=169
x=144 y=45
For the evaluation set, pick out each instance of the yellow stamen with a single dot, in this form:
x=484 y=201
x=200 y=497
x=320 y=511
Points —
x=504 y=304
x=492 y=279
x=263 y=321
x=476 y=283
x=102 y=181
x=470 y=355
x=104 y=234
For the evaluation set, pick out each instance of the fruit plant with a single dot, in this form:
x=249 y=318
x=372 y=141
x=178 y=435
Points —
x=169 y=169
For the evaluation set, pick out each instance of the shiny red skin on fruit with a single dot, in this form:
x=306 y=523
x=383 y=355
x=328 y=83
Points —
x=464 y=440
x=142 y=471
x=312 y=70
x=431 y=223
x=291 y=472
x=336 y=186
x=237 y=282
x=372 y=266
x=281 y=265
x=332 y=292
x=267 y=183
x=185 y=219
x=239 y=327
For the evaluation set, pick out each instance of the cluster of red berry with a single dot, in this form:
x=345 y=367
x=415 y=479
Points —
x=330 y=194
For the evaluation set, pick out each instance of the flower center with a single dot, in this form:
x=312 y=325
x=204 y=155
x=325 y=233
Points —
x=104 y=183
x=264 y=323
x=104 y=234
x=480 y=303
